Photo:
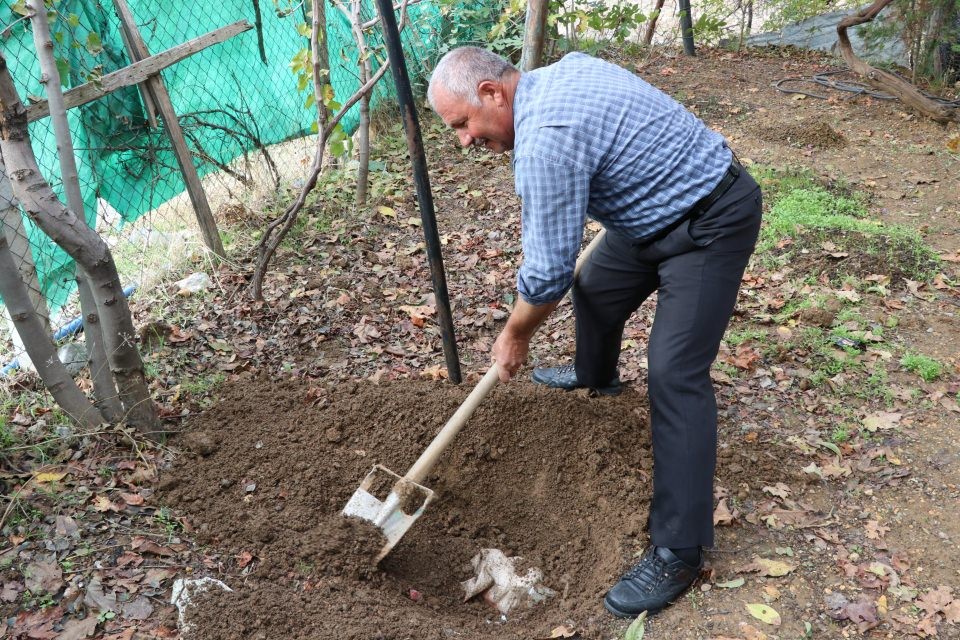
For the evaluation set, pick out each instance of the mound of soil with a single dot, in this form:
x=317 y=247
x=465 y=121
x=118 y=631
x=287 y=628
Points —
x=561 y=479
x=816 y=134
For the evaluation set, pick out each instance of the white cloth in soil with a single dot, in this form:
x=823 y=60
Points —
x=184 y=590
x=496 y=578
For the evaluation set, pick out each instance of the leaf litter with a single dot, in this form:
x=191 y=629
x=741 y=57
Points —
x=353 y=302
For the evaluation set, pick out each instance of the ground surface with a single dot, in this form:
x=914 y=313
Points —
x=837 y=488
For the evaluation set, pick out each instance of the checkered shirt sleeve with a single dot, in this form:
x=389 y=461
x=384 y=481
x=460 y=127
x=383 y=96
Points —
x=554 y=196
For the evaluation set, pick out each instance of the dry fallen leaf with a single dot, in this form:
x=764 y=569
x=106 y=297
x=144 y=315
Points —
x=731 y=584
x=771 y=568
x=722 y=514
x=79 y=629
x=875 y=530
x=765 y=614
x=780 y=490
x=103 y=504
x=750 y=632
x=53 y=476
x=132 y=499
x=953 y=143
x=882 y=420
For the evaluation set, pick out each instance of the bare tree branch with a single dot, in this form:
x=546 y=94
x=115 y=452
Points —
x=884 y=80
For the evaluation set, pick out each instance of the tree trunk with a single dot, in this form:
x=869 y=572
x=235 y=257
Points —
x=363 y=61
x=40 y=345
x=19 y=244
x=320 y=56
x=943 y=28
x=105 y=395
x=363 y=156
x=86 y=247
x=103 y=388
x=534 y=35
x=652 y=24
x=884 y=80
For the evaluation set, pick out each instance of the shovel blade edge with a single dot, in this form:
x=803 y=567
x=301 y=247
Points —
x=387 y=514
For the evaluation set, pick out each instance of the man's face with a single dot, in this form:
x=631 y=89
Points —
x=488 y=125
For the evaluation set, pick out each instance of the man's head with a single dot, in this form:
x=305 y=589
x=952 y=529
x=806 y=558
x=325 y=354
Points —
x=472 y=91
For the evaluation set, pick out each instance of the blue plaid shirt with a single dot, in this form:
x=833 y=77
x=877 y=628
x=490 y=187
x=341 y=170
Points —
x=593 y=139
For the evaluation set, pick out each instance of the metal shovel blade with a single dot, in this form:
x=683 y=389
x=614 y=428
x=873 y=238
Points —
x=390 y=503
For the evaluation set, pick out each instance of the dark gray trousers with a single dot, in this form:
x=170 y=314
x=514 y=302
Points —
x=696 y=270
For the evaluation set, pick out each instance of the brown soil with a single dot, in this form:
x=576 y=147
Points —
x=563 y=479
x=819 y=135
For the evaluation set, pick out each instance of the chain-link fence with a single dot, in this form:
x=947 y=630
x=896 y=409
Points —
x=239 y=104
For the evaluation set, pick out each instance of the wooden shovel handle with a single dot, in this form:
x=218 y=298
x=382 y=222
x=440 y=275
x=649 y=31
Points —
x=428 y=458
x=587 y=250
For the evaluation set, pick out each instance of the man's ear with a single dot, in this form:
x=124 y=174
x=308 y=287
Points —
x=491 y=89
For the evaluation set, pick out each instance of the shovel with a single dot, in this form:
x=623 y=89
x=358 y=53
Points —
x=392 y=502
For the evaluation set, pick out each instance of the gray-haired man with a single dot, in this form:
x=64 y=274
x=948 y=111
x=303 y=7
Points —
x=592 y=139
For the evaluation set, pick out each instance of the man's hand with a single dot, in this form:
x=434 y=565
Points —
x=513 y=343
x=510 y=353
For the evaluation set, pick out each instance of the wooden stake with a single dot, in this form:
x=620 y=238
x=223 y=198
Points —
x=138 y=72
x=158 y=91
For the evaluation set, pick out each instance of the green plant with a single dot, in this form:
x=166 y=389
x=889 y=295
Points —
x=877 y=386
x=592 y=26
x=40 y=600
x=304 y=568
x=812 y=217
x=924 y=366
x=496 y=25
x=165 y=519
x=726 y=368
x=202 y=383
x=7 y=437
x=738 y=337
x=784 y=12
x=840 y=434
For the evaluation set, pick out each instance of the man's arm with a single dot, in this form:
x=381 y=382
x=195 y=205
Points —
x=513 y=343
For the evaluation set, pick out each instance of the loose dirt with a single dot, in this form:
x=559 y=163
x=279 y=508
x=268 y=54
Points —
x=561 y=479
x=564 y=480
x=544 y=476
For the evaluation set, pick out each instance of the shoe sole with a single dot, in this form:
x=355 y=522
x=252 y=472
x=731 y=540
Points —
x=624 y=614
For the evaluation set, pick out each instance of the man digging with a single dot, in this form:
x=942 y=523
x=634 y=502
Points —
x=682 y=217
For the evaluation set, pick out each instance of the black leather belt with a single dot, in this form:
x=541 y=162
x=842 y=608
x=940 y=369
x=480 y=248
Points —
x=704 y=203
x=707 y=201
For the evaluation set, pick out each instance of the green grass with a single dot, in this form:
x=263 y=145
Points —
x=924 y=366
x=7 y=437
x=202 y=384
x=840 y=434
x=810 y=213
x=738 y=337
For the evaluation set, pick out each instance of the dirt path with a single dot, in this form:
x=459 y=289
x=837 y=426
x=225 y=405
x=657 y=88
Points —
x=860 y=527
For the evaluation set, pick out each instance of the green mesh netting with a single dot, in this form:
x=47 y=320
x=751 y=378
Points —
x=226 y=95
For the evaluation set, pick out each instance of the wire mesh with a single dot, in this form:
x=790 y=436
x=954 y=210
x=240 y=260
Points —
x=238 y=103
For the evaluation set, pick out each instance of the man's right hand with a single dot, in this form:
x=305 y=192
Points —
x=510 y=353
x=512 y=345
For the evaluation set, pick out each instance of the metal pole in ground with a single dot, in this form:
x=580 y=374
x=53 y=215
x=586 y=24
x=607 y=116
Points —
x=686 y=28
x=411 y=125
